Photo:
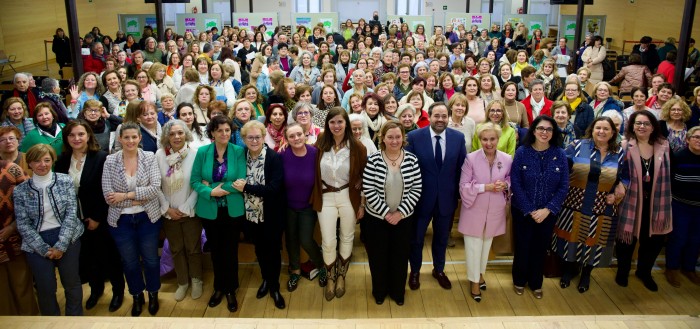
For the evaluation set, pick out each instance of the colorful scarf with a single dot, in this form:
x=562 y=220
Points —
x=175 y=178
x=277 y=135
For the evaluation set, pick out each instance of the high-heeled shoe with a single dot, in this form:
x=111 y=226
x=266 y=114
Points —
x=475 y=297
x=585 y=282
x=482 y=285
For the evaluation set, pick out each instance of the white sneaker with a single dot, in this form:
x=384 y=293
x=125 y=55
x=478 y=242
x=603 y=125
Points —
x=181 y=291
x=196 y=288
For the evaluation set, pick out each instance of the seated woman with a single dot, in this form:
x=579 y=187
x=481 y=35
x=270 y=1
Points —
x=15 y=114
x=100 y=121
x=497 y=114
x=45 y=210
x=89 y=87
x=47 y=131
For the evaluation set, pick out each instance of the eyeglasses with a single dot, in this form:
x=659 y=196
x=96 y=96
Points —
x=12 y=139
x=676 y=110
x=541 y=129
x=694 y=137
x=571 y=90
x=253 y=138
x=92 y=110
x=642 y=124
x=302 y=114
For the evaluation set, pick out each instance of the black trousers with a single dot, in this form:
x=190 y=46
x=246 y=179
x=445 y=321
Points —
x=222 y=236
x=388 y=247
x=100 y=260
x=649 y=248
x=267 y=238
x=531 y=243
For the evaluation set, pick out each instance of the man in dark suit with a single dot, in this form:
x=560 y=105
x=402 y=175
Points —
x=441 y=153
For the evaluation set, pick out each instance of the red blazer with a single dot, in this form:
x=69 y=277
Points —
x=546 y=110
x=91 y=64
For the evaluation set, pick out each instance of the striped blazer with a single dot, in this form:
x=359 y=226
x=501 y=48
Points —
x=373 y=184
x=147 y=184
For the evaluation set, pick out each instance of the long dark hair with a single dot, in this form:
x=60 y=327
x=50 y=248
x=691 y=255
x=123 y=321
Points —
x=195 y=125
x=555 y=141
x=325 y=142
x=612 y=143
x=655 y=134
x=92 y=145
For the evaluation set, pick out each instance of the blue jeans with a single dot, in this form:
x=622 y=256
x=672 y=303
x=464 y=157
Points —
x=44 y=271
x=684 y=241
x=137 y=241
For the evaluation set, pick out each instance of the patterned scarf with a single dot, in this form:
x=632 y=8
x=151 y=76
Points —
x=277 y=135
x=374 y=124
x=255 y=176
x=175 y=178
x=631 y=207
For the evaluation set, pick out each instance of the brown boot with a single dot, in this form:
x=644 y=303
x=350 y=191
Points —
x=329 y=290
x=342 y=269
x=692 y=276
x=673 y=278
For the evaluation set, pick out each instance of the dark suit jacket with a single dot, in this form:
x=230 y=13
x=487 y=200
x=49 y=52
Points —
x=272 y=192
x=90 y=193
x=438 y=186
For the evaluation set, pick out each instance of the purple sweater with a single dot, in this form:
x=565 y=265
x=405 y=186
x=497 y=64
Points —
x=299 y=176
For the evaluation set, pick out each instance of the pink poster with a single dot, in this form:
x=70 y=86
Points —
x=243 y=22
x=267 y=21
x=476 y=19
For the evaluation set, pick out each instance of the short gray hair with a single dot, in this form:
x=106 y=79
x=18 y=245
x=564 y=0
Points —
x=299 y=106
x=165 y=135
x=536 y=82
x=48 y=84
x=20 y=75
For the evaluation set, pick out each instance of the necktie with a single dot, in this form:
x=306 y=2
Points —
x=438 y=152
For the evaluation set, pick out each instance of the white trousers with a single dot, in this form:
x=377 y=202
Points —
x=477 y=255
x=336 y=205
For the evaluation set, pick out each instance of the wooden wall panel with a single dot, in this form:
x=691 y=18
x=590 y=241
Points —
x=658 y=19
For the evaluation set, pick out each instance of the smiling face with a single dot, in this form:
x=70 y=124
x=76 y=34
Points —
x=676 y=112
x=406 y=119
x=130 y=139
x=665 y=94
x=78 y=138
x=602 y=93
x=489 y=141
x=277 y=117
x=42 y=166
x=9 y=143
x=496 y=113
x=337 y=126
x=254 y=140
x=602 y=132
x=543 y=132
x=393 y=139
x=439 y=119
x=187 y=115
x=113 y=82
x=44 y=117
x=296 y=137
x=131 y=92
x=472 y=88
x=142 y=79
x=90 y=82
x=222 y=134
x=357 y=129
x=537 y=92
x=416 y=101
x=15 y=112
x=639 y=98
x=391 y=106
x=511 y=92
x=149 y=117
x=92 y=114
x=561 y=116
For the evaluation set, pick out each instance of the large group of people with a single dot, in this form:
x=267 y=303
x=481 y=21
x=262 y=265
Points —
x=241 y=134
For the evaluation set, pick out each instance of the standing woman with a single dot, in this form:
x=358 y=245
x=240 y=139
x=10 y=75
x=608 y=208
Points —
x=645 y=213
x=300 y=172
x=263 y=195
x=459 y=107
x=483 y=186
x=241 y=113
x=203 y=95
x=593 y=57
x=184 y=231
x=185 y=112
x=477 y=106
x=113 y=95
x=149 y=90
x=45 y=211
x=497 y=115
x=683 y=244
x=374 y=115
x=586 y=225
x=130 y=185
x=561 y=112
x=220 y=206
x=392 y=185
x=540 y=181
x=339 y=165
x=517 y=114
x=582 y=113
x=100 y=121
x=83 y=160
x=302 y=114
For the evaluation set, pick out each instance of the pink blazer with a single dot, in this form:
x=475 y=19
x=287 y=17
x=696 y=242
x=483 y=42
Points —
x=483 y=214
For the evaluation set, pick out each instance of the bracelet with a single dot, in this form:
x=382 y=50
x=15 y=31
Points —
x=73 y=101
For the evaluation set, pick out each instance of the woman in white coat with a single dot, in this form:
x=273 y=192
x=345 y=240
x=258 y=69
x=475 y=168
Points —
x=593 y=58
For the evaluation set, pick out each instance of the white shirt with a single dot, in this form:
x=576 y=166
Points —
x=335 y=167
x=443 y=141
x=49 y=221
x=536 y=106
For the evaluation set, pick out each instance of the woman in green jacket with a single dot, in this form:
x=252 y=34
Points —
x=48 y=130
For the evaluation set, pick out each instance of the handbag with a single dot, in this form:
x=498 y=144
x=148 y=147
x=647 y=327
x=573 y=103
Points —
x=552 y=265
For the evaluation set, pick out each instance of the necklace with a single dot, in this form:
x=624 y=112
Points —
x=393 y=161
x=337 y=147
x=647 y=164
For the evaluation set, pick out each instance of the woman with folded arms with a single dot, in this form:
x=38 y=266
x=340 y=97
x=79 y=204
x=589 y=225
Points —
x=184 y=231
x=392 y=186
x=130 y=185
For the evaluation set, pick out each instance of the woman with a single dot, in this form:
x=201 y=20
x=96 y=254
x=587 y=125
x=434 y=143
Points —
x=374 y=115
x=163 y=82
x=149 y=90
x=516 y=111
x=682 y=248
x=405 y=115
x=113 y=95
x=477 y=106
x=83 y=160
x=150 y=127
x=416 y=99
x=174 y=65
x=552 y=82
x=596 y=166
x=656 y=81
x=665 y=92
x=586 y=85
x=540 y=181
x=185 y=112
x=88 y=87
x=358 y=125
x=252 y=95
x=130 y=185
x=221 y=84
x=582 y=113
x=561 y=112
x=283 y=93
x=9 y=149
x=392 y=186
x=358 y=87
x=336 y=194
x=220 y=206
x=299 y=171
x=101 y=123
x=495 y=45
x=343 y=66
x=459 y=120
x=593 y=58
x=634 y=74
x=305 y=70
x=183 y=230
x=137 y=60
x=131 y=44
x=302 y=114
x=639 y=98
x=45 y=212
x=603 y=99
x=276 y=122
x=498 y=116
x=15 y=115
x=263 y=193
x=674 y=115
x=203 y=95
x=48 y=130
x=241 y=113
x=61 y=47
x=179 y=75
x=448 y=88
x=487 y=88
x=644 y=215
x=483 y=186
x=390 y=105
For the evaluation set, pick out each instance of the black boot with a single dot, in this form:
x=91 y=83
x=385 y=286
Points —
x=568 y=273
x=153 y=305
x=116 y=303
x=585 y=282
x=137 y=307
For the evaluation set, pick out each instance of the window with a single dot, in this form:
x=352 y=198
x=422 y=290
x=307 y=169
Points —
x=223 y=8
x=498 y=11
x=170 y=11
x=308 y=6
x=409 y=7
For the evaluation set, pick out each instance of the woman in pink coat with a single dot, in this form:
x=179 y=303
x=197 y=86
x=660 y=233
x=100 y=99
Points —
x=484 y=187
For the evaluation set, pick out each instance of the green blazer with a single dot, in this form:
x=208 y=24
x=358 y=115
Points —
x=34 y=137
x=203 y=170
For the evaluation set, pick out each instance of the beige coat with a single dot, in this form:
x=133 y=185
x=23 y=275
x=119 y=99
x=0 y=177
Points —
x=597 y=56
